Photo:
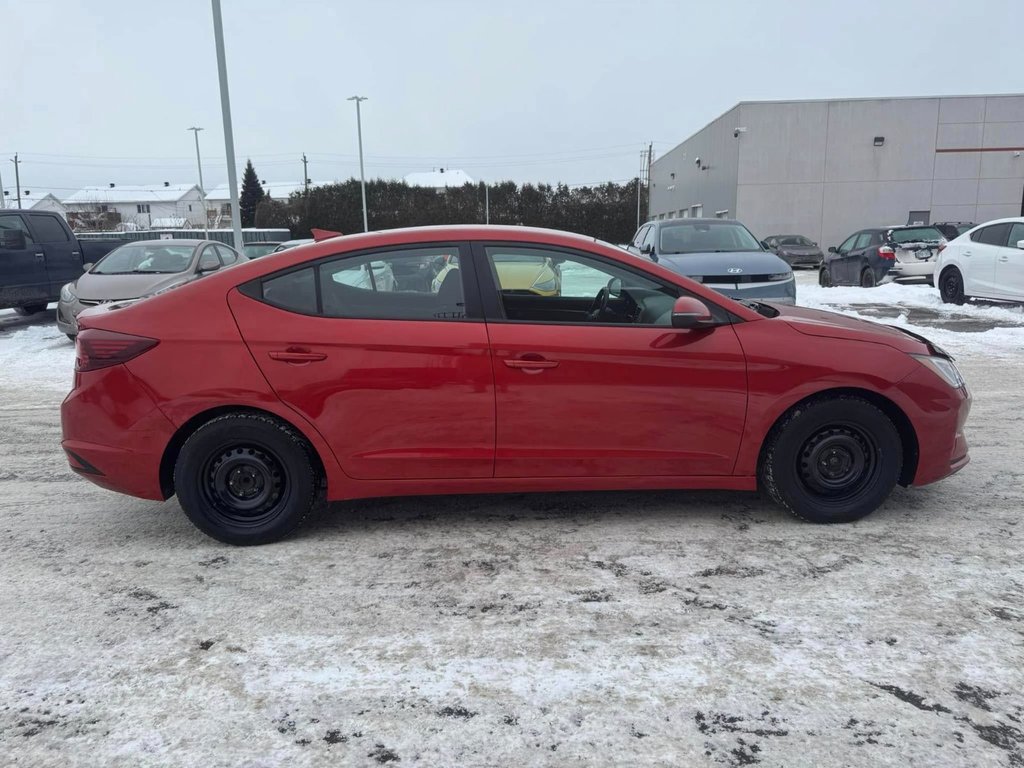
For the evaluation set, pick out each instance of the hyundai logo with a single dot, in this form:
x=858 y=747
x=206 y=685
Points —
x=734 y=270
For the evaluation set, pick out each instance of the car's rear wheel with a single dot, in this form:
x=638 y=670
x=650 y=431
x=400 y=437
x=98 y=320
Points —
x=246 y=478
x=824 y=277
x=951 y=286
x=867 y=278
x=832 y=460
x=29 y=309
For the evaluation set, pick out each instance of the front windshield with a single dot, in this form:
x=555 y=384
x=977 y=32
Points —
x=795 y=240
x=706 y=237
x=145 y=258
x=915 y=234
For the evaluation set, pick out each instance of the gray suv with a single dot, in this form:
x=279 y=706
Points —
x=721 y=253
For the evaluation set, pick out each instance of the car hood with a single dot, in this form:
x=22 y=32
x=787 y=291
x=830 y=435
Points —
x=92 y=287
x=817 y=322
x=697 y=264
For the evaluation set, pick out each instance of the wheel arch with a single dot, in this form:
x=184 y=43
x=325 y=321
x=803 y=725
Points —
x=905 y=428
x=188 y=428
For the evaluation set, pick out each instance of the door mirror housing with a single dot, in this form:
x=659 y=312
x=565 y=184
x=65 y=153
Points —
x=765 y=245
x=690 y=313
x=647 y=249
x=12 y=240
x=87 y=266
x=1020 y=244
x=208 y=263
x=833 y=249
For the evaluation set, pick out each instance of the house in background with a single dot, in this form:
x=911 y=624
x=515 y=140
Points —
x=33 y=200
x=219 y=197
x=136 y=207
x=438 y=179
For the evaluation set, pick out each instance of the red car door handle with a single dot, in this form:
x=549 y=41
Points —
x=531 y=366
x=297 y=356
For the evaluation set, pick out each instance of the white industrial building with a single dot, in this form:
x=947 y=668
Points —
x=825 y=169
x=142 y=207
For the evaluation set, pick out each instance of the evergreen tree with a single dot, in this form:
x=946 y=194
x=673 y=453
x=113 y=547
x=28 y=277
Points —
x=251 y=196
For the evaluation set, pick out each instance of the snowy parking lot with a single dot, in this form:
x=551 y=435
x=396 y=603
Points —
x=675 y=629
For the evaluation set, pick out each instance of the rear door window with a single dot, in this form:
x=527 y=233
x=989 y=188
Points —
x=14 y=221
x=49 y=229
x=996 y=234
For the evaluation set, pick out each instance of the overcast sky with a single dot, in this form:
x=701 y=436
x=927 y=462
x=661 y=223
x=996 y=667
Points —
x=561 y=90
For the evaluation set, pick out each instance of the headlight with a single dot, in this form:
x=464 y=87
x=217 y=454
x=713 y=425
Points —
x=546 y=285
x=780 y=276
x=944 y=368
x=67 y=293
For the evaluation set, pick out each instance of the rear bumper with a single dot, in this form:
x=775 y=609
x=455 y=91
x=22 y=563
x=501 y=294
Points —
x=906 y=269
x=113 y=433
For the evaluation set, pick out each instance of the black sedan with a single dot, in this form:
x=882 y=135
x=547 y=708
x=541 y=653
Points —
x=795 y=250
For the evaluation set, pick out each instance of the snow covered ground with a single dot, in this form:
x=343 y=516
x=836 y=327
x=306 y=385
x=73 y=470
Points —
x=672 y=629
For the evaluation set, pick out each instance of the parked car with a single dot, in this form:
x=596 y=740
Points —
x=720 y=253
x=39 y=254
x=255 y=250
x=139 y=269
x=795 y=250
x=953 y=229
x=987 y=262
x=251 y=392
x=871 y=257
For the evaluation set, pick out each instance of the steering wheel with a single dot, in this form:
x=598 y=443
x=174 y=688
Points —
x=600 y=305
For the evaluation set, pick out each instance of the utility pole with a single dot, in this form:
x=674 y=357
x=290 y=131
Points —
x=650 y=158
x=229 y=138
x=362 y=174
x=487 y=203
x=17 y=178
x=639 y=180
x=305 y=173
x=202 y=189
x=3 y=202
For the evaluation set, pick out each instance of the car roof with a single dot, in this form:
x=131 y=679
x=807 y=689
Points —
x=699 y=220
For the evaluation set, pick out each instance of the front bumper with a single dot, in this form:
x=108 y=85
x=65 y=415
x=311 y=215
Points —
x=780 y=292
x=67 y=316
x=939 y=416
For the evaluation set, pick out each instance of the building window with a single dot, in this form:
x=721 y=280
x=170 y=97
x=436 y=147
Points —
x=190 y=209
x=696 y=211
x=722 y=214
x=142 y=208
x=226 y=209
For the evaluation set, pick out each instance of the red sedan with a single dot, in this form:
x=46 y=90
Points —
x=255 y=391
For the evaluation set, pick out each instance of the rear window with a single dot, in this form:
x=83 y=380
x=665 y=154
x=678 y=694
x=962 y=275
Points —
x=295 y=291
x=915 y=235
x=49 y=229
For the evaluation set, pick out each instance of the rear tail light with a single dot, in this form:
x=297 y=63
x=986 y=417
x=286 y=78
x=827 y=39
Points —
x=885 y=252
x=100 y=349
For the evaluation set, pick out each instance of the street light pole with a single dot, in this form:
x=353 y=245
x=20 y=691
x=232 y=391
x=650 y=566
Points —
x=229 y=138
x=3 y=202
x=362 y=174
x=17 y=178
x=202 y=189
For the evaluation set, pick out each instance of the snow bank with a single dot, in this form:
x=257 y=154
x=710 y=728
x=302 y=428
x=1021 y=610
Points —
x=37 y=357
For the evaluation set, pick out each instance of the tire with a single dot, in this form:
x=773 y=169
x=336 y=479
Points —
x=832 y=460
x=71 y=336
x=951 y=286
x=867 y=278
x=825 y=278
x=245 y=478
x=29 y=309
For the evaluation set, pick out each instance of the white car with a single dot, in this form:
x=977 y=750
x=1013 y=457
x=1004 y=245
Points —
x=986 y=262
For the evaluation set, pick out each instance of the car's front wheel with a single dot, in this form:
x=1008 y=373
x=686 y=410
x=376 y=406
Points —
x=246 y=478
x=951 y=286
x=825 y=277
x=832 y=460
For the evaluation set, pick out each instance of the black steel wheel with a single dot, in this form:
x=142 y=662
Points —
x=824 y=277
x=832 y=459
x=867 y=278
x=246 y=478
x=951 y=286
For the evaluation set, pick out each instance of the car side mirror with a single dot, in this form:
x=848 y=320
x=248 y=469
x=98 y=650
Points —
x=765 y=245
x=1020 y=244
x=12 y=240
x=86 y=267
x=833 y=249
x=208 y=264
x=647 y=248
x=690 y=313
